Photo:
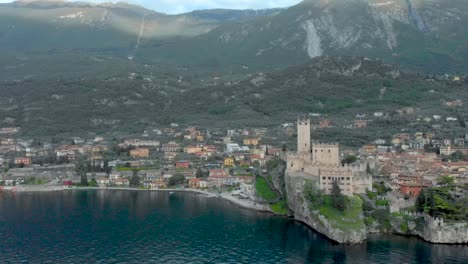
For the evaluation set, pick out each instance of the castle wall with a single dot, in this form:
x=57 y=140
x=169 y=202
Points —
x=326 y=154
x=303 y=135
x=321 y=163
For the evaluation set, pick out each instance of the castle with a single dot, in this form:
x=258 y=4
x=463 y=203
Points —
x=321 y=163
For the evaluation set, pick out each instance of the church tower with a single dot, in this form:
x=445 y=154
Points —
x=303 y=135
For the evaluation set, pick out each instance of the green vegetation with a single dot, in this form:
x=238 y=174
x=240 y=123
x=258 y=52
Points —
x=368 y=220
x=280 y=207
x=93 y=183
x=263 y=189
x=313 y=195
x=349 y=159
x=135 y=180
x=176 y=180
x=404 y=227
x=338 y=199
x=35 y=181
x=381 y=202
x=284 y=94
x=371 y=195
x=201 y=173
x=381 y=188
x=457 y=156
x=440 y=201
x=348 y=219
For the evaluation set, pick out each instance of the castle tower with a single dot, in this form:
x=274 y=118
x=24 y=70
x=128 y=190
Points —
x=303 y=135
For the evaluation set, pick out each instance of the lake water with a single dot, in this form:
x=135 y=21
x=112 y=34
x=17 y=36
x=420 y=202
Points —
x=156 y=227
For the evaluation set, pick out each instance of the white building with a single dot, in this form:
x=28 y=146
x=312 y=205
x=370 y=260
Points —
x=232 y=147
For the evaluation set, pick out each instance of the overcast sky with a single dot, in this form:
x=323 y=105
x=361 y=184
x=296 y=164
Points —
x=180 y=6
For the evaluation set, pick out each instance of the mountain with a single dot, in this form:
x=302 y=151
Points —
x=426 y=35
x=79 y=67
x=421 y=34
x=134 y=98
x=42 y=26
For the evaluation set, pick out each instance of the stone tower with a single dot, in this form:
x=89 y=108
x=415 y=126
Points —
x=303 y=135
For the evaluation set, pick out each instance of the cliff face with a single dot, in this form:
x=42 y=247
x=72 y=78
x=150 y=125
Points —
x=302 y=212
x=432 y=230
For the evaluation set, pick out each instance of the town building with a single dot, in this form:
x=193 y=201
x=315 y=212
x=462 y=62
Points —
x=171 y=147
x=23 y=160
x=229 y=161
x=182 y=164
x=321 y=164
x=251 y=141
x=139 y=153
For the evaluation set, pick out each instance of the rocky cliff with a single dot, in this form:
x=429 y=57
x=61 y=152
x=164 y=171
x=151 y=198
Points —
x=434 y=230
x=303 y=212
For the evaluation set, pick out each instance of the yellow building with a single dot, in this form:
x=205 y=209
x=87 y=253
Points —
x=200 y=138
x=193 y=149
x=229 y=162
x=251 y=141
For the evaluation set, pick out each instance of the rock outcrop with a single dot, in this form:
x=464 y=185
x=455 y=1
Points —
x=302 y=212
x=433 y=230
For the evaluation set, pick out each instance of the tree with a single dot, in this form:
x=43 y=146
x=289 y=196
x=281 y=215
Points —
x=338 y=198
x=93 y=183
x=106 y=167
x=349 y=159
x=135 y=180
x=176 y=179
x=446 y=181
x=84 y=179
x=421 y=201
x=200 y=173
x=81 y=168
x=433 y=210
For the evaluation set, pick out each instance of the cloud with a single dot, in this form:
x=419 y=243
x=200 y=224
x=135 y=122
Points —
x=180 y=6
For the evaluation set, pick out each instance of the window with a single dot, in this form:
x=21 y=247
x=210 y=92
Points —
x=329 y=151
x=324 y=178
x=347 y=178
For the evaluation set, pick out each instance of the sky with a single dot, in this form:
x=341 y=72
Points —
x=181 y=6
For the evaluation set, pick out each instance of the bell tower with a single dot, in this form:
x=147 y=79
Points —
x=303 y=135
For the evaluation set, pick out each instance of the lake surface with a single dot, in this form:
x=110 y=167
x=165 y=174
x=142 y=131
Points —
x=156 y=227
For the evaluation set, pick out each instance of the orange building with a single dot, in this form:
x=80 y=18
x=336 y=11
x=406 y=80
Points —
x=413 y=189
